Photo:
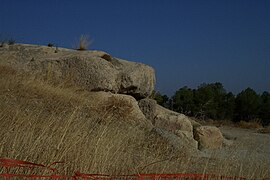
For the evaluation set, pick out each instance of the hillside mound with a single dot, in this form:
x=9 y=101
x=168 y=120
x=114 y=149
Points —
x=93 y=111
x=91 y=70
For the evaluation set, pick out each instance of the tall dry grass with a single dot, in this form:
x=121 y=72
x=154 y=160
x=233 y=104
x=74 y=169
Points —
x=45 y=123
x=254 y=124
x=83 y=43
x=265 y=130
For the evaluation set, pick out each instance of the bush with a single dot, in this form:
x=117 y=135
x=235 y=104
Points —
x=254 y=124
x=50 y=45
x=2 y=42
x=11 y=41
x=83 y=43
x=265 y=130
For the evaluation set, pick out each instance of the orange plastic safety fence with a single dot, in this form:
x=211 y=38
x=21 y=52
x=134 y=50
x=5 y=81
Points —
x=8 y=163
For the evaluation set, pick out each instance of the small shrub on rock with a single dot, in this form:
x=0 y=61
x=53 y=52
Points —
x=50 y=45
x=11 y=41
x=83 y=43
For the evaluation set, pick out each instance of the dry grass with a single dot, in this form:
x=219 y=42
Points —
x=83 y=43
x=44 y=123
x=255 y=124
x=265 y=130
x=213 y=122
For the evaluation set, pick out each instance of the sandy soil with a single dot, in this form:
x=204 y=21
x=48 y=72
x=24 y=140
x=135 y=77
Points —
x=249 y=148
x=246 y=144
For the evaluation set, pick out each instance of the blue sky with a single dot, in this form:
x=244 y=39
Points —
x=187 y=42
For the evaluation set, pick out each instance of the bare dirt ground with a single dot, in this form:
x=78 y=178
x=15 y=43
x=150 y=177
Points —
x=249 y=152
x=248 y=143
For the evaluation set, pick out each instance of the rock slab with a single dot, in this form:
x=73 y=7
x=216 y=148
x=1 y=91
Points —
x=91 y=70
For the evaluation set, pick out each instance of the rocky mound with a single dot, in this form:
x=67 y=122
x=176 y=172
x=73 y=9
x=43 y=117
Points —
x=91 y=70
x=191 y=133
x=99 y=72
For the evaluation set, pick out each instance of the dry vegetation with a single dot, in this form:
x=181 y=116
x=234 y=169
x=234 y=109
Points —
x=83 y=43
x=45 y=123
x=255 y=124
x=265 y=129
x=213 y=122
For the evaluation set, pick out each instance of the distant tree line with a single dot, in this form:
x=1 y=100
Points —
x=212 y=101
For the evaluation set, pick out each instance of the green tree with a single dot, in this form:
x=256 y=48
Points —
x=161 y=99
x=248 y=104
x=209 y=101
x=265 y=108
x=165 y=102
x=228 y=106
x=183 y=101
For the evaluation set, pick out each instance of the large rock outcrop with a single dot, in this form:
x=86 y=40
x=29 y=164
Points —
x=91 y=70
x=116 y=84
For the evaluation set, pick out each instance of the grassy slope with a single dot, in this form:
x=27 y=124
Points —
x=43 y=123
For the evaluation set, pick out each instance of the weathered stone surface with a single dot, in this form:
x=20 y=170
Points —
x=148 y=107
x=172 y=121
x=208 y=137
x=117 y=107
x=179 y=143
x=187 y=137
x=176 y=123
x=165 y=118
x=91 y=70
x=137 y=79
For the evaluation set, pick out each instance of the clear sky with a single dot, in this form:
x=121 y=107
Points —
x=188 y=42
